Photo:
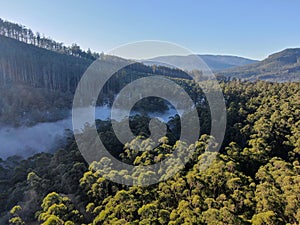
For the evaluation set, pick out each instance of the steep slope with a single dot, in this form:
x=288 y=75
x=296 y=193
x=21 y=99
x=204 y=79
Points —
x=282 y=66
x=37 y=84
x=26 y=64
x=214 y=62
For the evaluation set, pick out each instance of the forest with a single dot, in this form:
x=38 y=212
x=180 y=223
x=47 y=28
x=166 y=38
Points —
x=254 y=179
x=35 y=81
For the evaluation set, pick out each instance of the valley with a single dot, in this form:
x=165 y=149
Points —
x=54 y=172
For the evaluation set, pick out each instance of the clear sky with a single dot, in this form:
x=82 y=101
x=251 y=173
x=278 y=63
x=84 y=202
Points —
x=251 y=29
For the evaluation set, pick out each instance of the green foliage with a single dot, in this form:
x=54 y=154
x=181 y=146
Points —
x=255 y=179
x=59 y=209
x=16 y=219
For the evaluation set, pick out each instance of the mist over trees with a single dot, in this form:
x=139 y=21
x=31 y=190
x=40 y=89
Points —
x=253 y=180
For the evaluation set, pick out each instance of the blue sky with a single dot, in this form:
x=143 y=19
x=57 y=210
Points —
x=251 y=29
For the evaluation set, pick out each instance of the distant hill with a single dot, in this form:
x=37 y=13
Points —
x=282 y=66
x=190 y=62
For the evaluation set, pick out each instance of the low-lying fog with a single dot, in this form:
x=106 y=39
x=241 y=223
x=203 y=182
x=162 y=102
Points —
x=47 y=137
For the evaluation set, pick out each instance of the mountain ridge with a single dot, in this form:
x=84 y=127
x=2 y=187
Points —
x=280 y=66
x=191 y=62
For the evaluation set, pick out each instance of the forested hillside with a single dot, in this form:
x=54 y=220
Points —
x=37 y=67
x=36 y=81
x=254 y=180
x=26 y=35
x=280 y=67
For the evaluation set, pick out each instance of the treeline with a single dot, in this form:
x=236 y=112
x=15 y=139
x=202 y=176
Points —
x=253 y=180
x=26 y=35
